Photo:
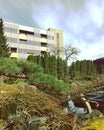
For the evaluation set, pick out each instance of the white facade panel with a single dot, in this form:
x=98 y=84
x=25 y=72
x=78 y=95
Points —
x=21 y=27
x=30 y=47
x=12 y=25
x=43 y=31
x=13 y=35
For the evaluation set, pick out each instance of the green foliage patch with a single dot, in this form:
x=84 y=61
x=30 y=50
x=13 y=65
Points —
x=4 y=47
x=32 y=74
x=52 y=65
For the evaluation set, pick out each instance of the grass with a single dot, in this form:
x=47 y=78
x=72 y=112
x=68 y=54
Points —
x=95 y=125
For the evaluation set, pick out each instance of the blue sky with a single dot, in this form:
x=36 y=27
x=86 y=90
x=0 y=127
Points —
x=81 y=20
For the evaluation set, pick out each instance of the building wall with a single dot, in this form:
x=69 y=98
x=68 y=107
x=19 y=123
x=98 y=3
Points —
x=58 y=41
x=25 y=40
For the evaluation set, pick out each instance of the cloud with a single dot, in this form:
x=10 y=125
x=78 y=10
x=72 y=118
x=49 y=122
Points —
x=91 y=51
x=85 y=24
x=96 y=10
x=45 y=19
x=19 y=12
x=55 y=11
x=81 y=20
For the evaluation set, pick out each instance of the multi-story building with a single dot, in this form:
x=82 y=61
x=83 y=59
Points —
x=24 y=40
x=58 y=41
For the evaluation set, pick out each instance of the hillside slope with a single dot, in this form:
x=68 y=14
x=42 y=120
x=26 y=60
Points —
x=24 y=105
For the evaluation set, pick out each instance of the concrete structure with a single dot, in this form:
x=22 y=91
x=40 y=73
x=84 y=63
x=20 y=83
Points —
x=25 y=40
x=58 y=41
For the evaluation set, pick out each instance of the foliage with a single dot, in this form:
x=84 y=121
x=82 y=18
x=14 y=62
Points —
x=28 y=68
x=52 y=65
x=86 y=86
x=82 y=68
x=4 y=47
x=60 y=68
x=13 y=67
x=32 y=74
x=68 y=51
x=8 y=67
x=49 y=83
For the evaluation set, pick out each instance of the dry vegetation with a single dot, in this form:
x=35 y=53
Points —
x=95 y=125
x=21 y=105
x=84 y=86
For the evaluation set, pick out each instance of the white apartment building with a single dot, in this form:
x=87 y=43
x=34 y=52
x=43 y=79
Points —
x=24 y=40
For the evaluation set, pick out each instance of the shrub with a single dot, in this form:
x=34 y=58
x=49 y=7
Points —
x=10 y=80
x=9 y=67
x=48 y=83
x=32 y=73
x=28 y=67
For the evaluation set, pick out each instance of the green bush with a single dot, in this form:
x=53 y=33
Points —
x=13 y=67
x=31 y=73
x=2 y=65
x=28 y=67
x=10 y=80
x=9 y=67
x=48 y=83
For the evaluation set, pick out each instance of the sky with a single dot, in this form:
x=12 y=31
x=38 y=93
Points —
x=81 y=20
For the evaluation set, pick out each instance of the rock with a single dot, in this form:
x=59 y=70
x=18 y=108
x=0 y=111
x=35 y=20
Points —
x=33 y=87
x=74 y=85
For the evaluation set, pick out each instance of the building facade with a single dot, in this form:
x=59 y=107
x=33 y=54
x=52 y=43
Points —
x=58 y=41
x=25 y=41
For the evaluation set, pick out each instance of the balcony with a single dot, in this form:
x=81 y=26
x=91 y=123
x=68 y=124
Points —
x=14 y=55
x=43 y=40
x=44 y=49
x=23 y=37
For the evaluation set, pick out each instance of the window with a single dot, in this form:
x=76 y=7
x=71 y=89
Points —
x=26 y=32
x=13 y=49
x=43 y=36
x=22 y=39
x=57 y=35
x=43 y=44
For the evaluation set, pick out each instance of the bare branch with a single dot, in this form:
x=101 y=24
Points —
x=69 y=52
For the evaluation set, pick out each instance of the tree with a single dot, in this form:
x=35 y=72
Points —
x=68 y=51
x=60 y=68
x=72 y=70
x=56 y=51
x=53 y=65
x=46 y=63
x=4 y=47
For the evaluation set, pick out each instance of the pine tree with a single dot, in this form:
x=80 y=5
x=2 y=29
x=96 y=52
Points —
x=93 y=69
x=4 y=47
x=84 y=67
x=77 y=67
x=72 y=70
x=46 y=63
x=65 y=71
x=53 y=65
x=59 y=68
